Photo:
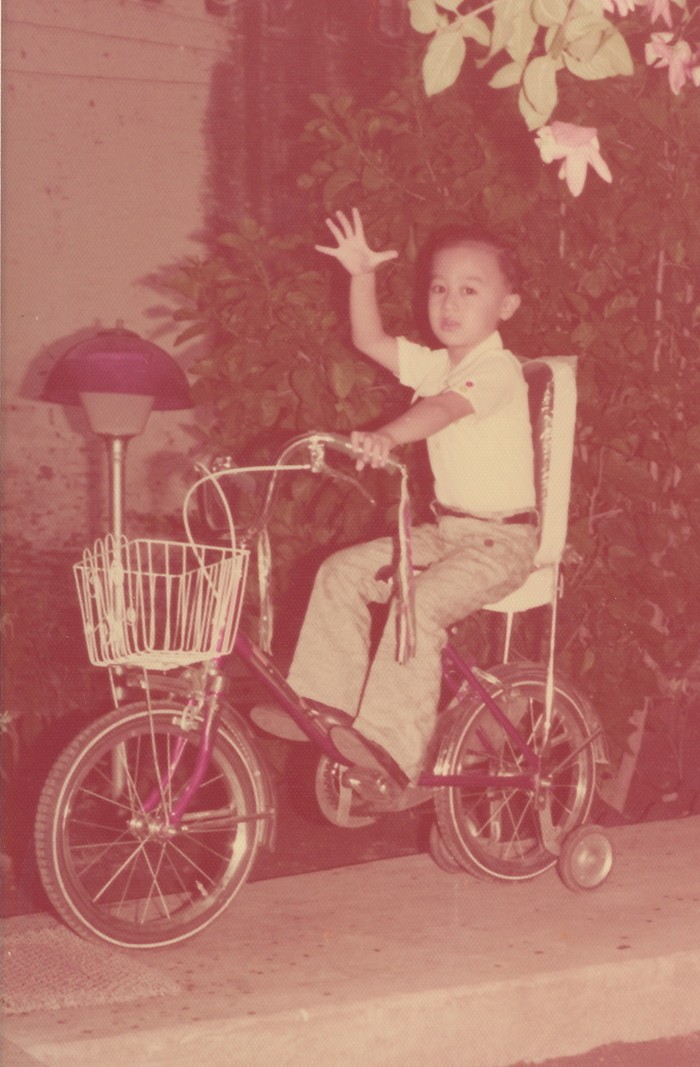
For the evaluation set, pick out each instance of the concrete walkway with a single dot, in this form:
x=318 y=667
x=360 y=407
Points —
x=397 y=962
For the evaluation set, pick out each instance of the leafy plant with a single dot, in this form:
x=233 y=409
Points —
x=528 y=44
x=611 y=277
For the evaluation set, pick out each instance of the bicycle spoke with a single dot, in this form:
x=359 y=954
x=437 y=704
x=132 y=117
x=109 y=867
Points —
x=496 y=829
x=113 y=863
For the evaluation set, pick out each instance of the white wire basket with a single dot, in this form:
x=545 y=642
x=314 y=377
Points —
x=159 y=604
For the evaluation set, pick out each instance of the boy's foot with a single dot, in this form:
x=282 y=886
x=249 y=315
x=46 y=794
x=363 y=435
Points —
x=366 y=754
x=275 y=720
x=375 y=788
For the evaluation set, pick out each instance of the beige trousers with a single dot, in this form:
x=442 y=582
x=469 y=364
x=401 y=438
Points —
x=468 y=563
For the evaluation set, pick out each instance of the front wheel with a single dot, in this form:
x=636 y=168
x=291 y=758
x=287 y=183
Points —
x=500 y=830
x=114 y=866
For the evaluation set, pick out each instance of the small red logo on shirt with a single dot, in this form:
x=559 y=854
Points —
x=469 y=385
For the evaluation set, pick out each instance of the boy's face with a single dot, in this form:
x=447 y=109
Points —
x=468 y=297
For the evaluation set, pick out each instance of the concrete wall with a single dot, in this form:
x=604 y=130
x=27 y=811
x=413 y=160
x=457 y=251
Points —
x=104 y=182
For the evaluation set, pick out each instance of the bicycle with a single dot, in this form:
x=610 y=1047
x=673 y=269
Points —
x=150 y=821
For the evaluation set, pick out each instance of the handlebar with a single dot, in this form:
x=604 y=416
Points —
x=314 y=443
x=339 y=443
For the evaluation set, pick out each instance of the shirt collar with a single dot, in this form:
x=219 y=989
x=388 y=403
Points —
x=490 y=344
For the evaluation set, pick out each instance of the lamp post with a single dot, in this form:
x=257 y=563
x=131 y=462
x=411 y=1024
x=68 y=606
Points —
x=118 y=378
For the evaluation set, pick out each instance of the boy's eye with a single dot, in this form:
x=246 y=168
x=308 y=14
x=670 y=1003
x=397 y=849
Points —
x=468 y=290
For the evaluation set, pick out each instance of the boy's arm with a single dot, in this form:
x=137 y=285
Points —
x=361 y=262
x=424 y=418
x=368 y=333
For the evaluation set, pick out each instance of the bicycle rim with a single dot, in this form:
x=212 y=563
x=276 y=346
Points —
x=111 y=865
x=496 y=831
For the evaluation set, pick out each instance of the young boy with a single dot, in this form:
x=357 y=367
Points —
x=470 y=403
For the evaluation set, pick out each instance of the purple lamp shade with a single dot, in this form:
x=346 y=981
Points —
x=118 y=362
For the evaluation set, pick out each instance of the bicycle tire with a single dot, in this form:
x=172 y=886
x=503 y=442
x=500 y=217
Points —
x=114 y=873
x=496 y=832
x=440 y=853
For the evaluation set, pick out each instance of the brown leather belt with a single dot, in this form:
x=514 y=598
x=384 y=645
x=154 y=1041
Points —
x=523 y=518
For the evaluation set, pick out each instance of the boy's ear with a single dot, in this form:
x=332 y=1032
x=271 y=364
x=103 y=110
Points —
x=509 y=306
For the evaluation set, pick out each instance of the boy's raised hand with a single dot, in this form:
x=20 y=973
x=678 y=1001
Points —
x=353 y=251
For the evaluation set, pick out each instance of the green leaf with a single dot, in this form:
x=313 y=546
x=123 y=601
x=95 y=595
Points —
x=507 y=76
x=693 y=437
x=443 y=61
x=193 y=331
x=343 y=378
x=580 y=538
x=372 y=179
x=235 y=240
x=476 y=28
x=611 y=59
x=338 y=183
x=425 y=17
x=503 y=22
x=322 y=102
x=588 y=660
x=550 y=12
x=520 y=36
x=533 y=118
x=540 y=85
x=251 y=229
x=583 y=45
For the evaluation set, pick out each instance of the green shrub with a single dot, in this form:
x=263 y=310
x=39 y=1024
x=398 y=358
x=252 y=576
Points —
x=611 y=277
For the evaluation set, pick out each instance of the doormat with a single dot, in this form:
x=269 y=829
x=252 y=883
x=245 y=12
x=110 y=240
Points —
x=47 y=966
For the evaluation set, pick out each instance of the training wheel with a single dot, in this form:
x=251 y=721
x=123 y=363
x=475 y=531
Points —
x=586 y=858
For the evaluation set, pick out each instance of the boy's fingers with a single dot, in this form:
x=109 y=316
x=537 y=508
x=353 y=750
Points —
x=335 y=230
x=327 y=250
x=344 y=222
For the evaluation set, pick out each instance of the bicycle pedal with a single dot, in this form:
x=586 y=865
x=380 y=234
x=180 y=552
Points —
x=372 y=786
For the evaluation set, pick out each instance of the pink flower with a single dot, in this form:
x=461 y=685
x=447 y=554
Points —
x=678 y=57
x=660 y=9
x=619 y=7
x=577 y=147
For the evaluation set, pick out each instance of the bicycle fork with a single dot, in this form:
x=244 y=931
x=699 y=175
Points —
x=160 y=797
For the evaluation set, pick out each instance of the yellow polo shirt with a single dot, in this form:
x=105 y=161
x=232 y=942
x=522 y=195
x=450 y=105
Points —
x=482 y=463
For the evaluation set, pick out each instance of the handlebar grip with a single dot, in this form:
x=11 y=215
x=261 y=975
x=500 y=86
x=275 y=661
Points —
x=343 y=444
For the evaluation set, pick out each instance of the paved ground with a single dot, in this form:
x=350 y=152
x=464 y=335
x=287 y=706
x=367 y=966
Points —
x=666 y=1052
x=396 y=962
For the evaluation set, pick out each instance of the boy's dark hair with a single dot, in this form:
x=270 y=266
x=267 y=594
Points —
x=450 y=235
x=458 y=233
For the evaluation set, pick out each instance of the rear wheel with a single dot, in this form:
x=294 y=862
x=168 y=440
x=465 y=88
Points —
x=500 y=830
x=440 y=853
x=112 y=864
